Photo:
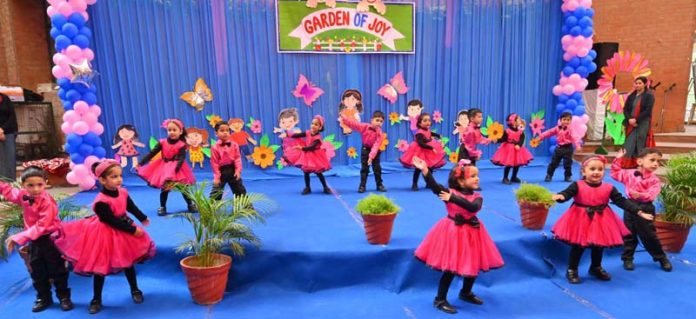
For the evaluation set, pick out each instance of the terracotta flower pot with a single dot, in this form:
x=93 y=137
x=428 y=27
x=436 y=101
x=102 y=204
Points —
x=206 y=284
x=672 y=236
x=533 y=215
x=378 y=228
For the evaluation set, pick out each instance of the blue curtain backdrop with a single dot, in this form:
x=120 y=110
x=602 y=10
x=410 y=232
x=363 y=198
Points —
x=500 y=56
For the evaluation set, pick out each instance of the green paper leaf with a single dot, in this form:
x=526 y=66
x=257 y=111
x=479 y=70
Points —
x=614 y=125
x=274 y=148
x=337 y=145
x=206 y=151
x=489 y=121
x=279 y=165
x=445 y=140
x=448 y=150
x=264 y=140
x=541 y=114
x=434 y=130
x=213 y=141
x=484 y=131
x=209 y=116
x=330 y=138
x=153 y=142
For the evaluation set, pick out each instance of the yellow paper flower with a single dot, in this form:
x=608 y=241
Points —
x=352 y=153
x=263 y=156
x=214 y=120
x=385 y=142
x=394 y=118
x=453 y=157
x=534 y=143
x=495 y=131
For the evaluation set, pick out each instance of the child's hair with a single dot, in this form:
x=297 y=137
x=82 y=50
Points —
x=473 y=112
x=459 y=171
x=379 y=114
x=130 y=127
x=642 y=79
x=566 y=115
x=511 y=119
x=202 y=132
x=107 y=164
x=33 y=171
x=462 y=112
x=235 y=120
x=321 y=121
x=649 y=150
x=590 y=158
x=354 y=93
x=420 y=118
x=219 y=124
x=178 y=123
x=289 y=112
x=414 y=102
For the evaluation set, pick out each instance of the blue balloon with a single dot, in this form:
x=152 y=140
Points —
x=585 y=22
x=93 y=88
x=592 y=67
x=587 y=32
x=559 y=108
x=568 y=70
x=81 y=41
x=74 y=139
x=55 y=32
x=77 y=19
x=571 y=21
x=69 y=30
x=86 y=32
x=67 y=105
x=574 y=62
x=579 y=110
x=577 y=96
x=64 y=83
x=90 y=98
x=571 y=104
x=58 y=21
x=583 y=71
x=586 y=60
x=77 y=158
x=82 y=89
x=592 y=54
x=61 y=94
x=73 y=95
x=579 y=12
x=562 y=98
x=566 y=15
x=565 y=30
x=85 y=149
x=99 y=152
x=62 y=42
x=590 y=12
x=575 y=31
x=92 y=138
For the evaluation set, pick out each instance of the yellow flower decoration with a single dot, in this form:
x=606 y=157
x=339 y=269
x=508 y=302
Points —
x=394 y=118
x=352 y=153
x=263 y=156
x=385 y=142
x=453 y=157
x=214 y=119
x=534 y=143
x=495 y=131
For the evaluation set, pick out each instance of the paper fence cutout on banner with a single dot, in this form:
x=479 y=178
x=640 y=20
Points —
x=314 y=3
x=201 y=94
x=364 y=6
x=396 y=86
x=307 y=91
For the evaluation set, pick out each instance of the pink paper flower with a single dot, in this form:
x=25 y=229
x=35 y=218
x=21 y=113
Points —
x=329 y=148
x=537 y=126
x=437 y=116
x=256 y=127
x=401 y=145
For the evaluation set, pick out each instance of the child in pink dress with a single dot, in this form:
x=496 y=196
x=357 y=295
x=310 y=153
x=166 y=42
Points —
x=108 y=242
x=590 y=222
x=170 y=168
x=424 y=147
x=512 y=153
x=41 y=221
x=313 y=158
x=642 y=188
x=458 y=245
x=564 y=147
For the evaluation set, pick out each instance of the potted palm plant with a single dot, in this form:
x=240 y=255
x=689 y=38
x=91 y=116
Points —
x=378 y=213
x=535 y=201
x=217 y=226
x=678 y=198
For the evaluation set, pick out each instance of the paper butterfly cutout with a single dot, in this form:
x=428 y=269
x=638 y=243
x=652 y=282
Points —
x=307 y=91
x=201 y=94
x=396 y=86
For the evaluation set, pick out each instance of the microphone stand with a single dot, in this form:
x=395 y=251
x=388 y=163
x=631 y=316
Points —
x=664 y=104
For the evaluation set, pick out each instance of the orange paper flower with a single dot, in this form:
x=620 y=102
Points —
x=352 y=153
x=453 y=157
x=495 y=131
x=263 y=156
x=385 y=142
x=534 y=143
x=214 y=119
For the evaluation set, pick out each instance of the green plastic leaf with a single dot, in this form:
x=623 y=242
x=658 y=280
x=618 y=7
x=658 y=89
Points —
x=330 y=138
x=153 y=142
x=274 y=147
x=206 y=151
x=264 y=140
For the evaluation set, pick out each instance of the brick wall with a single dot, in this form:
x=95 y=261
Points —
x=663 y=32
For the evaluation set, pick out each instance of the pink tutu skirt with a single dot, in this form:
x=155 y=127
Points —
x=158 y=172
x=313 y=161
x=576 y=228
x=94 y=247
x=290 y=153
x=435 y=158
x=463 y=250
x=507 y=155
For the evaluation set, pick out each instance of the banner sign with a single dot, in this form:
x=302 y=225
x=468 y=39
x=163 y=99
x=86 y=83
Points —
x=344 y=29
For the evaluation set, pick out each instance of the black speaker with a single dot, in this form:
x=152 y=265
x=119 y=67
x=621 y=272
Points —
x=605 y=50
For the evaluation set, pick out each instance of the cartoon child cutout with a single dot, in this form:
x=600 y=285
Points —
x=241 y=137
x=196 y=139
x=414 y=109
x=351 y=106
x=126 y=139
x=462 y=123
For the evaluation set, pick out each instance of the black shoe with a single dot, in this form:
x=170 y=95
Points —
x=548 y=178
x=306 y=191
x=444 y=306
x=161 y=211
x=192 y=208
x=600 y=273
x=361 y=189
x=381 y=188
x=414 y=187
x=516 y=180
x=327 y=190
x=568 y=179
x=470 y=297
x=628 y=265
x=137 y=296
x=572 y=276
x=66 y=304
x=94 y=306
x=40 y=304
x=506 y=181
x=665 y=264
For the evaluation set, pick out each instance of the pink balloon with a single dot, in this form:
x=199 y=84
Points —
x=572 y=5
x=57 y=72
x=80 y=171
x=91 y=1
x=586 y=3
x=567 y=56
x=81 y=107
x=74 y=52
x=90 y=119
x=585 y=118
x=567 y=90
x=55 y=2
x=566 y=39
x=85 y=15
x=88 y=54
x=78 y=5
x=557 y=90
x=582 y=52
x=87 y=183
x=574 y=77
x=66 y=128
x=90 y=160
x=71 y=178
x=96 y=110
x=65 y=9
x=80 y=127
x=97 y=128
x=71 y=116
x=51 y=11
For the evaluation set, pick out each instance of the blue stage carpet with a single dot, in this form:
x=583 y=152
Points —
x=316 y=263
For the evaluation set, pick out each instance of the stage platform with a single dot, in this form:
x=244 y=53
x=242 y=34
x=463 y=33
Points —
x=316 y=263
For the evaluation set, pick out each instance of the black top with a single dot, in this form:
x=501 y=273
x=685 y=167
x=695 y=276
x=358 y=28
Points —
x=313 y=146
x=106 y=215
x=647 y=100
x=615 y=196
x=457 y=200
x=8 y=118
x=504 y=138
x=180 y=157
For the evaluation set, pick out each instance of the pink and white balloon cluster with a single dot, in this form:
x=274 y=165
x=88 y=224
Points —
x=73 y=74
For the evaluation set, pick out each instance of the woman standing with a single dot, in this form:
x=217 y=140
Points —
x=637 y=118
x=8 y=132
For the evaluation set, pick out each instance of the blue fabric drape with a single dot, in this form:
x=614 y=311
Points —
x=500 y=56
